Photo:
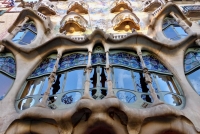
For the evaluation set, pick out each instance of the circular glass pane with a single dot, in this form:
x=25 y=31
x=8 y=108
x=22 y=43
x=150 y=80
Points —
x=71 y=97
x=125 y=96
x=26 y=103
x=147 y=98
x=172 y=99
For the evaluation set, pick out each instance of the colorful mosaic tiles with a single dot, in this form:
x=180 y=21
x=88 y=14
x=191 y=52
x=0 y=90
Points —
x=98 y=58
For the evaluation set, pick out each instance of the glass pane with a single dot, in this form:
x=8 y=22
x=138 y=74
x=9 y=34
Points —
x=28 y=37
x=166 y=83
x=194 y=79
x=74 y=80
x=172 y=99
x=180 y=31
x=5 y=84
x=170 y=33
x=98 y=58
x=140 y=82
x=71 y=97
x=125 y=96
x=33 y=87
x=147 y=98
x=123 y=79
x=18 y=36
x=26 y=103
x=58 y=84
x=93 y=78
x=103 y=77
x=191 y=61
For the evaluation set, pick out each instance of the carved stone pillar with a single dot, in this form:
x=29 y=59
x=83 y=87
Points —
x=148 y=80
x=197 y=42
x=88 y=70
x=2 y=47
x=51 y=79
x=109 y=81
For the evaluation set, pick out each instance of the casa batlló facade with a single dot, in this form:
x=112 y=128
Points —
x=100 y=66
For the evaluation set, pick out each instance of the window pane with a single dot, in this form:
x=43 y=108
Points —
x=140 y=82
x=180 y=31
x=103 y=77
x=123 y=79
x=58 y=84
x=18 y=36
x=33 y=87
x=5 y=83
x=93 y=78
x=194 y=79
x=170 y=33
x=166 y=83
x=74 y=80
x=29 y=36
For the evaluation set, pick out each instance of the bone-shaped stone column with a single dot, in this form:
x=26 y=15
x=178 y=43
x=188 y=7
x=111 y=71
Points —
x=109 y=80
x=88 y=70
x=148 y=80
x=51 y=79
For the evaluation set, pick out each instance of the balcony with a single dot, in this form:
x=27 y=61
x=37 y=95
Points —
x=46 y=8
x=73 y=22
x=78 y=7
x=120 y=5
x=151 y=5
x=126 y=21
x=191 y=11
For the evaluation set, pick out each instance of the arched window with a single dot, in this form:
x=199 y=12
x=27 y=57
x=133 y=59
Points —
x=68 y=85
x=172 y=30
x=98 y=76
x=191 y=66
x=163 y=81
x=27 y=33
x=7 y=73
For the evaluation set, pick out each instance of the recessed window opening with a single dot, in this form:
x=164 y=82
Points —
x=172 y=29
x=27 y=33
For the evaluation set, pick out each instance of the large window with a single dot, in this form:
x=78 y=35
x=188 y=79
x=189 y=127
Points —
x=7 y=73
x=68 y=85
x=172 y=30
x=192 y=65
x=27 y=33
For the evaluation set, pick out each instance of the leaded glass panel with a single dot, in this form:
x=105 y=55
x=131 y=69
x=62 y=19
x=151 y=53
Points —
x=192 y=60
x=72 y=60
x=125 y=59
x=154 y=65
x=98 y=58
x=194 y=79
x=8 y=65
x=46 y=67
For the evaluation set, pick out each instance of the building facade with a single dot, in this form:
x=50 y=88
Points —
x=99 y=66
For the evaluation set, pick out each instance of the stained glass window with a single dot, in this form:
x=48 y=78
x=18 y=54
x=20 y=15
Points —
x=192 y=60
x=73 y=60
x=27 y=34
x=172 y=30
x=154 y=64
x=46 y=67
x=125 y=59
x=7 y=65
x=98 y=58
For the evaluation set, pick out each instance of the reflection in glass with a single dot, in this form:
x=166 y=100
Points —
x=141 y=85
x=98 y=72
x=74 y=80
x=26 y=103
x=125 y=96
x=33 y=87
x=5 y=84
x=172 y=99
x=194 y=79
x=123 y=79
x=166 y=83
x=71 y=97
x=58 y=84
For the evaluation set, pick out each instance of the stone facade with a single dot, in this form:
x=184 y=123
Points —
x=113 y=67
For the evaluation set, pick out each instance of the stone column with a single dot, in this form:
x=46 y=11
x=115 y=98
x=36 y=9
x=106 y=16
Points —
x=88 y=70
x=109 y=80
x=182 y=23
x=148 y=80
x=2 y=47
x=51 y=79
